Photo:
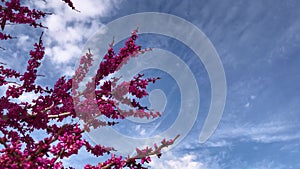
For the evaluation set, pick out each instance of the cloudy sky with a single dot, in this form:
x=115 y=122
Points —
x=258 y=44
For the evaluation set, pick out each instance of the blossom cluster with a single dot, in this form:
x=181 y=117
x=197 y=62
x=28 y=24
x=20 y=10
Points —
x=47 y=112
x=13 y=12
x=4 y=36
x=16 y=12
x=104 y=98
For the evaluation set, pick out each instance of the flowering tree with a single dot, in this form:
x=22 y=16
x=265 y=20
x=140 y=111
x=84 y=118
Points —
x=18 y=120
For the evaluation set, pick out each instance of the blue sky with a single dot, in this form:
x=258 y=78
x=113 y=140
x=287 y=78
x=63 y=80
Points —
x=258 y=43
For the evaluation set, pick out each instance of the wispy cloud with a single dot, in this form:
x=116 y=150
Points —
x=218 y=143
x=262 y=133
x=265 y=164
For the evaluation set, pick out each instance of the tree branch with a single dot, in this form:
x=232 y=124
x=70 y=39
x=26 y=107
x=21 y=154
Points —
x=154 y=152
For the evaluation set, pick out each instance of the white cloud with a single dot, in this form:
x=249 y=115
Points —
x=93 y=8
x=178 y=160
x=68 y=30
x=168 y=160
x=27 y=97
x=22 y=40
x=62 y=54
